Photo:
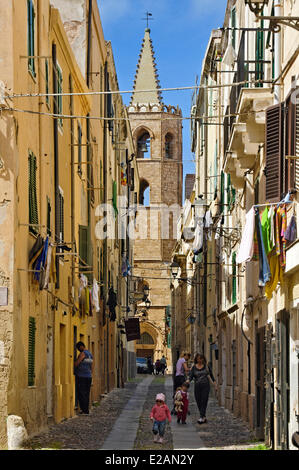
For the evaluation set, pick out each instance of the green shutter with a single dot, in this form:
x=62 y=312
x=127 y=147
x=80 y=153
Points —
x=234 y=289
x=33 y=208
x=222 y=192
x=260 y=56
x=59 y=90
x=233 y=25
x=114 y=198
x=31 y=351
x=83 y=243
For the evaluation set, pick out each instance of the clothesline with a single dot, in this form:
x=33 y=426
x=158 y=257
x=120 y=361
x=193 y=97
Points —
x=274 y=204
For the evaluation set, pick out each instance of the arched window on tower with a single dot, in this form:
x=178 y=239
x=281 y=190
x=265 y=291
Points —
x=169 y=145
x=144 y=145
x=144 y=193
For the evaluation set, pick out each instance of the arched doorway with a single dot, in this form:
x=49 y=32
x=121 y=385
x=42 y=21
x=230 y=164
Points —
x=145 y=346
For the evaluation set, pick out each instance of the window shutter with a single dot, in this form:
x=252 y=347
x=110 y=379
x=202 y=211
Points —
x=83 y=243
x=274 y=152
x=31 y=352
x=61 y=217
x=33 y=208
x=222 y=192
x=47 y=81
x=49 y=210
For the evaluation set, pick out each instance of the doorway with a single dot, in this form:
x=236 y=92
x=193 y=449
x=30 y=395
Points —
x=283 y=379
x=260 y=380
x=50 y=351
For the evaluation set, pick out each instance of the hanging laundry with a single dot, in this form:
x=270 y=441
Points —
x=87 y=298
x=112 y=303
x=95 y=296
x=208 y=224
x=198 y=238
x=265 y=273
x=291 y=231
x=83 y=282
x=125 y=267
x=246 y=246
x=41 y=261
x=266 y=230
x=280 y=229
x=271 y=216
x=123 y=178
x=276 y=276
x=36 y=250
x=46 y=274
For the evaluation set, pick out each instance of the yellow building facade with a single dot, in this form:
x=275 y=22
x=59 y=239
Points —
x=59 y=162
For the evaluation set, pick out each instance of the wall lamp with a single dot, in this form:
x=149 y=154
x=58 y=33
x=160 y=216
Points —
x=256 y=6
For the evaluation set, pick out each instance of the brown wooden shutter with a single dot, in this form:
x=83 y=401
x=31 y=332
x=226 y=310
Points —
x=290 y=144
x=274 y=152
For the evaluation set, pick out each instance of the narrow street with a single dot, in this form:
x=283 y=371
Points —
x=121 y=422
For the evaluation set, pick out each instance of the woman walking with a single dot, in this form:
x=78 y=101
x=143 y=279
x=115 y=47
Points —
x=202 y=375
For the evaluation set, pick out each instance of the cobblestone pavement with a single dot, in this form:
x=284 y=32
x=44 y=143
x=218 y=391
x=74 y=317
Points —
x=87 y=432
x=222 y=431
x=144 y=438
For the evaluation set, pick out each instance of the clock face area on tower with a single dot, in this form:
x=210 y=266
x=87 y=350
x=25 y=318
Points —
x=157 y=135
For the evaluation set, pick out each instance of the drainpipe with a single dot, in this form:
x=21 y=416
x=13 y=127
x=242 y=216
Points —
x=277 y=53
x=89 y=43
x=56 y=159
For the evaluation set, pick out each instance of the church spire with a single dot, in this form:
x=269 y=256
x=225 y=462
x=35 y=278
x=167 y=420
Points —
x=146 y=77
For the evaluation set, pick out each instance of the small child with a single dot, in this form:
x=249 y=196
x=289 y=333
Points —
x=160 y=412
x=182 y=397
x=178 y=401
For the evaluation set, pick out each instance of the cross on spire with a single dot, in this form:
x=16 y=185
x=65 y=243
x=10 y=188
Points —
x=147 y=19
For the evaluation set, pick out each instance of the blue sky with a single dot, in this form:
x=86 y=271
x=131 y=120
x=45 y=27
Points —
x=180 y=32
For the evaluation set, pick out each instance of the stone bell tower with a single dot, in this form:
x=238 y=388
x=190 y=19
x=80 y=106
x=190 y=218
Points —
x=157 y=133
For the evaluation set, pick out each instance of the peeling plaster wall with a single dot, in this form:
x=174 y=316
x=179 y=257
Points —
x=74 y=17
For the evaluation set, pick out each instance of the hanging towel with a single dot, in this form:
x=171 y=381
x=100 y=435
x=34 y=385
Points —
x=95 y=296
x=291 y=232
x=45 y=283
x=265 y=273
x=246 y=247
x=208 y=224
x=276 y=276
x=41 y=261
x=36 y=250
x=198 y=238
x=266 y=230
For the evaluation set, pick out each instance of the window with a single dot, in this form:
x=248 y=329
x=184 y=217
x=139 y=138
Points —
x=144 y=193
x=31 y=39
x=59 y=91
x=144 y=145
x=83 y=246
x=169 y=145
x=31 y=352
x=47 y=81
x=79 y=149
x=145 y=338
x=33 y=208
x=114 y=198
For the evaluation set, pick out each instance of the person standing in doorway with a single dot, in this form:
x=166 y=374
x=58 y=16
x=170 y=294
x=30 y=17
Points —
x=202 y=375
x=84 y=366
x=163 y=364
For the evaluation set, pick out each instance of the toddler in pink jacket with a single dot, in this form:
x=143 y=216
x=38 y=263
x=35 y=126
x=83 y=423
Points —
x=159 y=414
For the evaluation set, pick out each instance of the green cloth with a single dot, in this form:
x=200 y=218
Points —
x=266 y=231
x=114 y=198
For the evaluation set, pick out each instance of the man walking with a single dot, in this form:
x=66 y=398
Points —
x=83 y=371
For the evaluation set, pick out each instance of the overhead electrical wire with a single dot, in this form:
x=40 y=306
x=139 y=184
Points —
x=120 y=92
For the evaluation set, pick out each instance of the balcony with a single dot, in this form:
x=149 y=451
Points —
x=244 y=132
